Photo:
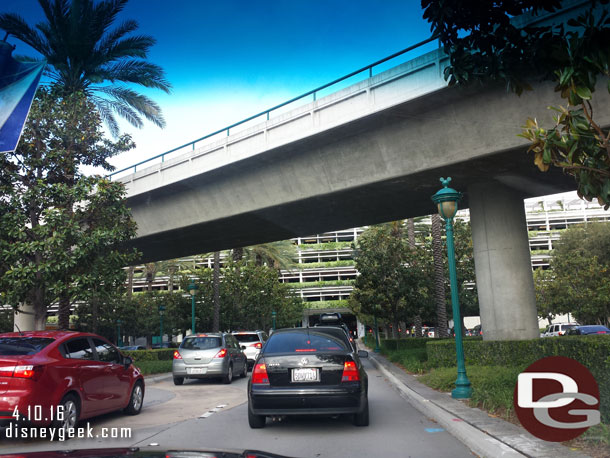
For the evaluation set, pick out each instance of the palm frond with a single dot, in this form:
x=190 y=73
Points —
x=16 y=26
x=106 y=113
x=111 y=37
x=138 y=72
x=140 y=103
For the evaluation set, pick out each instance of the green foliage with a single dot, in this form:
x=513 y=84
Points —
x=490 y=44
x=492 y=385
x=6 y=320
x=338 y=304
x=84 y=54
x=325 y=246
x=577 y=281
x=60 y=231
x=154 y=367
x=591 y=351
x=248 y=294
x=318 y=265
x=161 y=354
x=394 y=281
x=316 y=284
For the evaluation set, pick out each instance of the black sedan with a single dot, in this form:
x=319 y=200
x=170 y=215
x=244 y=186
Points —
x=308 y=371
x=587 y=330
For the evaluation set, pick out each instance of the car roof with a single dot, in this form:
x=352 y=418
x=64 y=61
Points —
x=57 y=335
x=332 y=330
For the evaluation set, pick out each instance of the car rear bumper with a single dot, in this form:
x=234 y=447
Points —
x=299 y=401
x=213 y=369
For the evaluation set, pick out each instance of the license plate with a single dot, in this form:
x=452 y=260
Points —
x=306 y=374
x=196 y=370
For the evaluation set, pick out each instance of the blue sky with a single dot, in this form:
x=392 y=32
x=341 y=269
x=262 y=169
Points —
x=231 y=59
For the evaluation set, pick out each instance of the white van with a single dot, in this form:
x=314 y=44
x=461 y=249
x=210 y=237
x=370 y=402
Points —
x=558 y=329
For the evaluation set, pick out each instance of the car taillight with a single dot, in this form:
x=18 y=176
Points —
x=177 y=355
x=258 y=345
x=350 y=372
x=221 y=354
x=259 y=375
x=30 y=372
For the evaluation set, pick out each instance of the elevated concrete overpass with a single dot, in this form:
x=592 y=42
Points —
x=369 y=153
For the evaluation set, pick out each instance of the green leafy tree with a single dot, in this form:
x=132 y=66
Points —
x=489 y=44
x=577 y=281
x=394 y=278
x=86 y=54
x=61 y=232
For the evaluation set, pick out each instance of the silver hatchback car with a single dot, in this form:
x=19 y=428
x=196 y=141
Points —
x=209 y=355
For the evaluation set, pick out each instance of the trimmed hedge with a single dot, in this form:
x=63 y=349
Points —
x=161 y=354
x=591 y=351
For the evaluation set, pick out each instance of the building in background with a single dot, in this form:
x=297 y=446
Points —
x=325 y=270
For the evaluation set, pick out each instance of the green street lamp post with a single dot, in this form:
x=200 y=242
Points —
x=446 y=200
x=377 y=349
x=161 y=313
x=273 y=315
x=192 y=290
x=118 y=333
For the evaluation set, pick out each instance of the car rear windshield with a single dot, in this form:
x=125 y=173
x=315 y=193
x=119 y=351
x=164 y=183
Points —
x=10 y=346
x=304 y=342
x=247 y=337
x=201 y=343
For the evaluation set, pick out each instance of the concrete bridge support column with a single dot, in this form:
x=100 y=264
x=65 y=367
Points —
x=502 y=263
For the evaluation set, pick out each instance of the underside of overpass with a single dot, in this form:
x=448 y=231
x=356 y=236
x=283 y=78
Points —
x=329 y=181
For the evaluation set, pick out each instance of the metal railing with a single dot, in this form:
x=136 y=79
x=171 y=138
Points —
x=267 y=112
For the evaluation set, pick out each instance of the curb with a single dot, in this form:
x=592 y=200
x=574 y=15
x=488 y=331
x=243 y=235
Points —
x=476 y=440
x=468 y=424
x=156 y=378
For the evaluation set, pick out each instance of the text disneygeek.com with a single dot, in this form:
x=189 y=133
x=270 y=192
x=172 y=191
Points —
x=61 y=434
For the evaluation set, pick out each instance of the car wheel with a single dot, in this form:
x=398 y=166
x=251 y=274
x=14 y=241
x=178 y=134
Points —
x=256 y=421
x=245 y=371
x=178 y=380
x=69 y=407
x=136 y=400
x=229 y=377
x=362 y=418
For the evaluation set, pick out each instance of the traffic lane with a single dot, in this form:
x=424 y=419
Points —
x=165 y=405
x=396 y=429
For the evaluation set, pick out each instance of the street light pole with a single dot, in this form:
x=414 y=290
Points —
x=192 y=290
x=161 y=313
x=446 y=200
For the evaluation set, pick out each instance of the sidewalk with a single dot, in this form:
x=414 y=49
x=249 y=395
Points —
x=484 y=435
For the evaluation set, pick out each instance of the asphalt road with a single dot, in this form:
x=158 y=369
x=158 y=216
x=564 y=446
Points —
x=207 y=415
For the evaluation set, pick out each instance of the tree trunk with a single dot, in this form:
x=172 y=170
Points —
x=63 y=319
x=216 y=289
x=130 y=282
x=439 y=280
x=394 y=329
x=417 y=326
x=238 y=254
x=411 y=232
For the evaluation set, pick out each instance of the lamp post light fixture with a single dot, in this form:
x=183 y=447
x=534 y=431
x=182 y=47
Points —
x=118 y=333
x=192 y=290
x=273 y=315
x=161 y=313
x=446 y=200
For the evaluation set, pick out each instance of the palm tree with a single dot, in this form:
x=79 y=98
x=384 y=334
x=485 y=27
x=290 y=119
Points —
x=439 y=277
x=85 y=55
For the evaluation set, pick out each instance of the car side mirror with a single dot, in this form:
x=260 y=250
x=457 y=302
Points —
x=127 y=361
x=363 y=354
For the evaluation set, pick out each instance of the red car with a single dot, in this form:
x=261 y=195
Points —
x=60 y=377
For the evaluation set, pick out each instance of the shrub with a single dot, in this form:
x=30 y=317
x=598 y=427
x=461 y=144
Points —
x=162 y=354
x=591 y=351
x=154 y=367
